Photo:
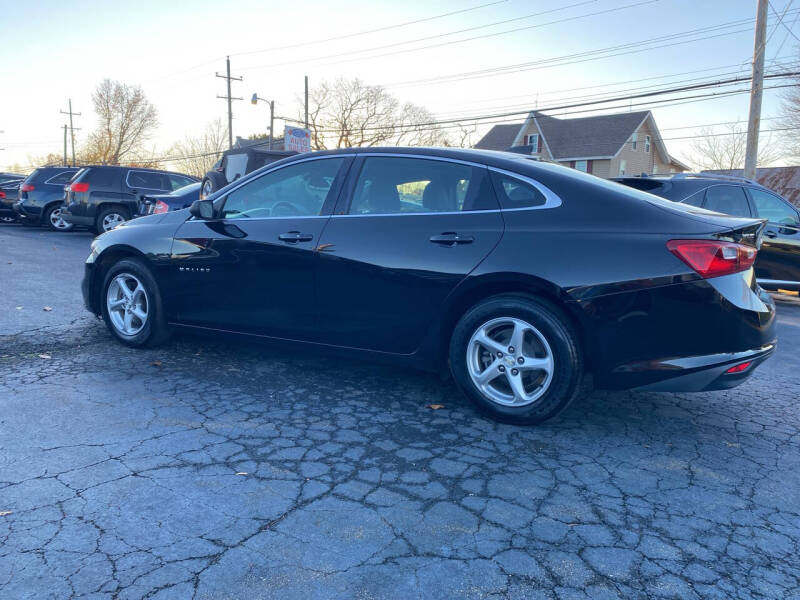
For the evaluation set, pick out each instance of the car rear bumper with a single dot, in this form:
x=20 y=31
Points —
x=27 y=213
x=76 y=220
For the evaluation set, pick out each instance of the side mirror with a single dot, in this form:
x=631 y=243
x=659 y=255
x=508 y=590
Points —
x=202 y=209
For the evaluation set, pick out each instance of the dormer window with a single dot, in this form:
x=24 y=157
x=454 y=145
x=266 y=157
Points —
x=532 y=140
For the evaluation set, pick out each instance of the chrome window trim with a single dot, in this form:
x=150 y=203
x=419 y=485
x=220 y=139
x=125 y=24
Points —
x=551 y=199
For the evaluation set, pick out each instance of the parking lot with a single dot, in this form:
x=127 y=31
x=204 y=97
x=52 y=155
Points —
x=221 y=469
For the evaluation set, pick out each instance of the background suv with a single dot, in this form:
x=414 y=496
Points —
x=102 y=197
x=778 y=263
x=41 y=197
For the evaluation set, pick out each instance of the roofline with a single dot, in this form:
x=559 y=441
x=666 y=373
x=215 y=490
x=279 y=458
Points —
x=680 y=163
x=583 y=158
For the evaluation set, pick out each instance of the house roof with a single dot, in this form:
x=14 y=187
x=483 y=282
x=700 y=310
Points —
x=600 y=136
x=783 y=180
x=499 y=137
x=261 y=143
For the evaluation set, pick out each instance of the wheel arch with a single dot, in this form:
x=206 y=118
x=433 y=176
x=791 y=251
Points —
x=108 y=257
x=476 y=289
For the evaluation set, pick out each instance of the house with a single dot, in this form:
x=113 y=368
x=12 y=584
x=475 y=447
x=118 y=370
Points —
x=605 y=145
x=782 y=180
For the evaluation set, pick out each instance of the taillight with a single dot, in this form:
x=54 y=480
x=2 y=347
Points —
x=79 y=187
x=712 y=258
x=26 y=187
x=160 y=207
x=739 y=368
x=2 y=194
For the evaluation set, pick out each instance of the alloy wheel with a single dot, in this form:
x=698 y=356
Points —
x=208 y=188
x=6 y=219
x=112 y=220
x=127 y=304
x=57 y=219
x=510 y=361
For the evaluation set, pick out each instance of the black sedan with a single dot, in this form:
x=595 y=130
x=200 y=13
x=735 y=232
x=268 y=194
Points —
x=183 y=197
x=518 y=276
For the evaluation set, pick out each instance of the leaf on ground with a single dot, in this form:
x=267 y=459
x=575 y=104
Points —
x=242 y=473
x=47 y=308
x=434 y=406
x=19 y=308
x=4 y=513
x=155 y=363
x=45 y=356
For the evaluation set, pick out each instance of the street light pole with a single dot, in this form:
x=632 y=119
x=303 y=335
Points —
x=271 y=103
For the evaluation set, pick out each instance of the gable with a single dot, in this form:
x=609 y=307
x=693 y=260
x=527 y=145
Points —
x=589 y=137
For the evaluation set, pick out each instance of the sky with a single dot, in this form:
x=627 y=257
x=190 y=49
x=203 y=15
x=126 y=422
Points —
x=53 y=51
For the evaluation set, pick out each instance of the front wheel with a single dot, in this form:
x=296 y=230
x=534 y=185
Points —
x=131 y=305
x=517 y=358
x=54 y=218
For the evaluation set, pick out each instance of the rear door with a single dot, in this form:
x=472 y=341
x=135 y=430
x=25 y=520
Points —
x=779 y=257
x=407 y=232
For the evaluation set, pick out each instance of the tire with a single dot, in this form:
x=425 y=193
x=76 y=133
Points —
x=149 y=331
x=7 y=219
x=548 y=374
x=213 y=181
x=110 y=217
x=52 y=218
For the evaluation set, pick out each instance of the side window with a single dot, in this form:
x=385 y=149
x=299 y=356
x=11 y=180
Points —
x=515 y=193
x=178 y=181
x=728 y=199
x=100 y=177
x=391 y=185
x=61 y=178
x=695 y=199
x=147 y=180
x=774 y=209
x=298 y=190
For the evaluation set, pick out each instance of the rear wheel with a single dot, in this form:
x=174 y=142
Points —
x=7 y=219
x=54 y=219
x=111 y=217
x=517 y=358
x=131 y=304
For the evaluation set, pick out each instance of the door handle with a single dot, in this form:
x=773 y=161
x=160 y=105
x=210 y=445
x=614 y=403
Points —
x=451 y=239
x=295 y=236
x=770 y=234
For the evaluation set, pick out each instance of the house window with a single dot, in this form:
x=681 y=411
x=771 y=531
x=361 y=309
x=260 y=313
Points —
x=533 y=141
x=581 y=165
x=634 y=139
x=622 y=166
x=647 y=143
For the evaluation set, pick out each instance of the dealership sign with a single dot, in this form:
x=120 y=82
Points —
x=297 y=139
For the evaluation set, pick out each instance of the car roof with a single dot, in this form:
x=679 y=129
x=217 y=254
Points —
x=150 y=169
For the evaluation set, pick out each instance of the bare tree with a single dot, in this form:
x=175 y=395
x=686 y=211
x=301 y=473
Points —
x=348 y=113
x=198 y=154
x=791 y=119
x=126 y=118
x=726 y=149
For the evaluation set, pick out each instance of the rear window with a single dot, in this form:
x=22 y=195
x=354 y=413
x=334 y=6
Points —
x=646 y=185
x=148 y=180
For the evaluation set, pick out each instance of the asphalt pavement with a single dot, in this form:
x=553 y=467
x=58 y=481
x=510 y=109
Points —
x=221 y=469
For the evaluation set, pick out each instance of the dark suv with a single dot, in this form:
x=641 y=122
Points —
x=41 y=197
x=102 y=197
x=778 y=263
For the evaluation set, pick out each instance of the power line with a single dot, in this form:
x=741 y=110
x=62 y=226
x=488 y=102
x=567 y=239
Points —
x=780 y=20
x=488 y=35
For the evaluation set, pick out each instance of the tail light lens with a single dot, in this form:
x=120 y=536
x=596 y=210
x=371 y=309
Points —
x=26 y=187
x=711 y=258
x=160 y=207
x=2 y=194
x=739 y=368
x=79 y=187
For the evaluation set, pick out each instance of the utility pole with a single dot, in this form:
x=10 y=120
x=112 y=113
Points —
x=71 y=128
x=306 y=101
x=65 y=144
x=271 y=121
x=756 y=91
x=229 y=98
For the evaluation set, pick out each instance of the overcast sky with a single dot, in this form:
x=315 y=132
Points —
x=52 y=51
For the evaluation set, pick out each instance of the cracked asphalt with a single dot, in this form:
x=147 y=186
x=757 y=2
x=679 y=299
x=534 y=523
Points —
x=221 y=469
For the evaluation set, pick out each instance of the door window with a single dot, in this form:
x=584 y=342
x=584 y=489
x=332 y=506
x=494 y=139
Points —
x=774 y=209
x=393 y=185
x=147 y=180
x=298 y=190
x=728 y=199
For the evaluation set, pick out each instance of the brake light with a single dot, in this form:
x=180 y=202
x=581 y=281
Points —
x=2 y=194
x=739 y=368
x=711 y=258
x=160 y=207
x=26 y=187
x=79 y=187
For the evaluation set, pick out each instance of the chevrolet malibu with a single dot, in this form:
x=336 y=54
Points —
x=518 y=277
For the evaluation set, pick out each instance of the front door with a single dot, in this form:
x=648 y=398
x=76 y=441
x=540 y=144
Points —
x=779 y=257
x=412 y=230
x=252 y=270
